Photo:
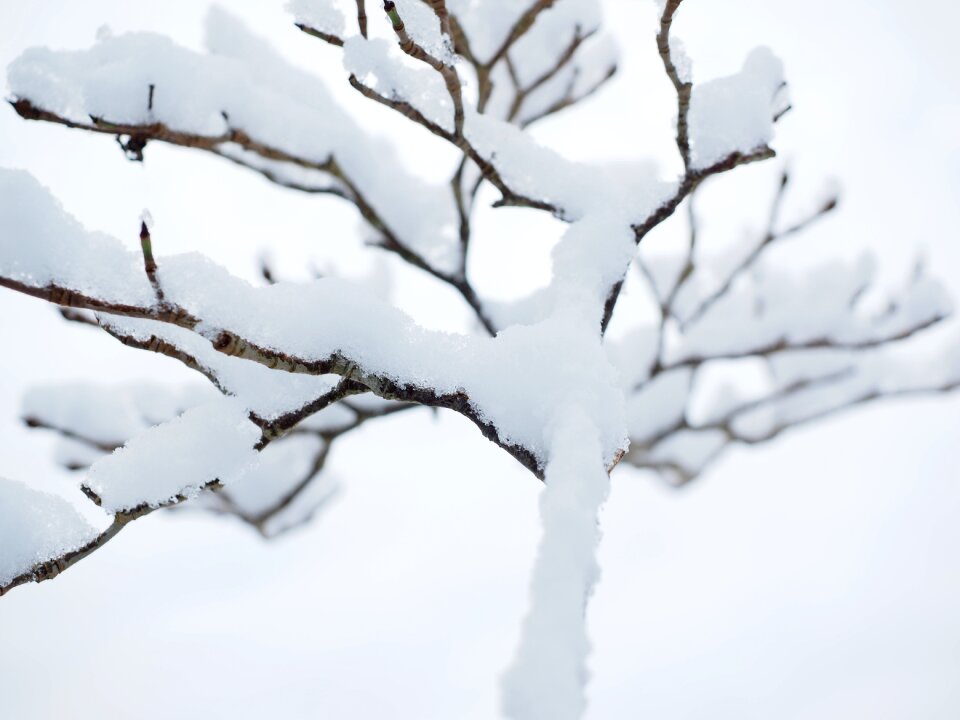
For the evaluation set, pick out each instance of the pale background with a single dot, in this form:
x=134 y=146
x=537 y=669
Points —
x=814 y=578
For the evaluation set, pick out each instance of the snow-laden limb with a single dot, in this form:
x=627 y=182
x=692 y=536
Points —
x=230 y=117
x=724 y=117
x=356 y=336
x=548 y=676
x=35 y=529
x=206 y=446
x=282 y=489
x=545 y=387
x=692 y=428
x=806 y=345
x=242 y=101
x=534 y=389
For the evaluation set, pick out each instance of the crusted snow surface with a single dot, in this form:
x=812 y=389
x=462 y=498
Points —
x=211 y=442
x=35 y=527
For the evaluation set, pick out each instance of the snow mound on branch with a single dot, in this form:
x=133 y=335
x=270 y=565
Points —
x=206 y=443
x=323 y=15
x=735 y=113
x=37 y=246
x=35 y=527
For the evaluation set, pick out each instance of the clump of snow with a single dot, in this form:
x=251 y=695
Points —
x=41 y=244
x=735 y=113
x=629 y=190
x=380 y=64
x=323 y=15
x=35 y=527
x=423 y=27
x=210 y=442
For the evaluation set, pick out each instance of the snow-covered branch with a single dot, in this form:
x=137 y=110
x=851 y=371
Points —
x=537 y=376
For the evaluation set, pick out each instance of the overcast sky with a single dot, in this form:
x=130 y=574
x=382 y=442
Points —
x=814 y=578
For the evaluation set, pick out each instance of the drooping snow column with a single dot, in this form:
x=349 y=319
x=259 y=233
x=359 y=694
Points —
x=548 y=676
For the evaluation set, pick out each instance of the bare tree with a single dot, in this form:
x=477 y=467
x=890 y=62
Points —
x=538 y=377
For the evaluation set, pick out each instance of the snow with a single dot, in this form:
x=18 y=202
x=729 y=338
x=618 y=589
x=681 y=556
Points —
x=630 y=190
x=423 y=26
x=548 y=676
x=323 y=15
x=108 y=414
x=735 y=113
x=535 y=53
x=517 y=396
x=266 y=392
x=591 y=64
x=487 y=24
x=381 y=65
x=210 y=442
x=376 y=336
x=240 y=84
x=659 y=404
x=547 y=382
x=37 y=247
x=774 y=304
x=689 y=450
x=276 y=470
x=720 y=386
x=35 y=527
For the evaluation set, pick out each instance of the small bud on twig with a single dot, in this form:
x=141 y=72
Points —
x=146 y=246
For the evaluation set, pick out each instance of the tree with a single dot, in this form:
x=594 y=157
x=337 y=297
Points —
x=548 y=388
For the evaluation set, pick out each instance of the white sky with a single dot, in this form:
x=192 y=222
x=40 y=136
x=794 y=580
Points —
x=814 y=578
